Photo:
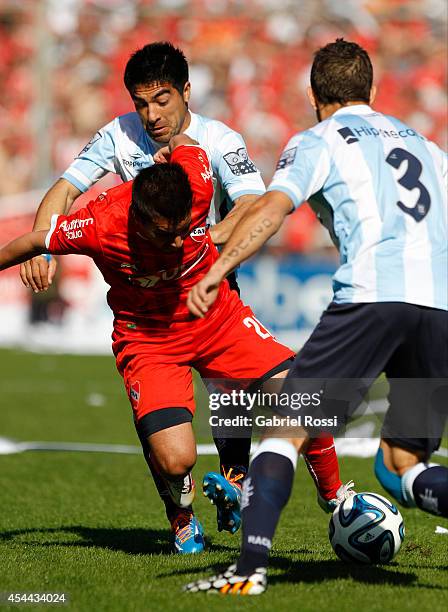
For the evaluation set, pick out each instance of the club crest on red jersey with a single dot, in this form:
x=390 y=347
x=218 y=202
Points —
x=134 y=393
x=198 y=234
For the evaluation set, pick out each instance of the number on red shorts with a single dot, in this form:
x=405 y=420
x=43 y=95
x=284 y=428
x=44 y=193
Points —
x=255 y=324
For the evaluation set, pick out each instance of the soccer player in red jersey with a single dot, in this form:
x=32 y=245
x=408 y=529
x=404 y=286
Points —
x=150 y=241
x=156 y=77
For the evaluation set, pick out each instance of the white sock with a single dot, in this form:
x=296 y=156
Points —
x=280 y=446
x=407 y=481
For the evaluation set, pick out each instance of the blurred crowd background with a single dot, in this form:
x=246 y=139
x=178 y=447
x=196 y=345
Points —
x=61 y=69
x=249 y=62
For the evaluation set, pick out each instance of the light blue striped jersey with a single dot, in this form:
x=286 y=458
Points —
x=124 y=147
x=381 y=190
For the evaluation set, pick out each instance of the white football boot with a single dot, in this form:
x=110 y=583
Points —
x=229 y=583
x=344 y=492
x=181 y=490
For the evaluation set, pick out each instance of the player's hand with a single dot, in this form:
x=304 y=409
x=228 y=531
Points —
x=162 y=156
x=202 y=296
x=38 y=273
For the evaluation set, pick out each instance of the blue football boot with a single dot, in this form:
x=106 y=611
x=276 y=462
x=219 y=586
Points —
x=224 y=491
x=188 y=535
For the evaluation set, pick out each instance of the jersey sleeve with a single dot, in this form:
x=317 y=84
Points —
x=195 y=162
x=302 y=169
x=94 y=161
x=76 y=233
x=232 y=165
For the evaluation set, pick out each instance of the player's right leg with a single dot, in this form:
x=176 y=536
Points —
x=173 y=454
x=159 y=384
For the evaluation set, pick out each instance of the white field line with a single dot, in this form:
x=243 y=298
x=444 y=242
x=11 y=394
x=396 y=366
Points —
x=353 y=447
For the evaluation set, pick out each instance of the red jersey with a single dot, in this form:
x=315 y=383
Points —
x=146 y=284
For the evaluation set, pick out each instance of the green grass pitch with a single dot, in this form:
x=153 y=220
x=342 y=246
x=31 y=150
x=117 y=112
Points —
x=91 y=525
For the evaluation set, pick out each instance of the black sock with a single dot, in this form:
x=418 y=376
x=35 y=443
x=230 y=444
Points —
x=430 y=490
x=265 y=492
x=233 y=454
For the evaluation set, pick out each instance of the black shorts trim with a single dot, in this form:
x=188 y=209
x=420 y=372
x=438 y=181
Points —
x=233 y=283
x=427 y=446
x=284 y=365
x=164 y=418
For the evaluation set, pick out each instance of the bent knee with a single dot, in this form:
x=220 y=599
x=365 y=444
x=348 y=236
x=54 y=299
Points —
x=399 y=460
x=176 y=465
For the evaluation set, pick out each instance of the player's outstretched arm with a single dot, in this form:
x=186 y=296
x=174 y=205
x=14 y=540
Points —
x=22 y=248
x=38 y=273
x=256 y=226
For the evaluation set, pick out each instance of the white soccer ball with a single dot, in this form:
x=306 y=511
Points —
x=366 y=528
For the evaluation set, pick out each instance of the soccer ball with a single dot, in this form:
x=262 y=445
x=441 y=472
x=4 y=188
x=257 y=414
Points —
x=366 y=528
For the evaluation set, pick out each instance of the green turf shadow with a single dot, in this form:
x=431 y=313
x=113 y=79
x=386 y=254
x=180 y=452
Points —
x=129 y=540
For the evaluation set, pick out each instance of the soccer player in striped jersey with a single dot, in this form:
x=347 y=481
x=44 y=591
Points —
x=157 y=79
x=380 y=187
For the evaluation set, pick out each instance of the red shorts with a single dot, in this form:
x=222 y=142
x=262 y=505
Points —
x=156 y=362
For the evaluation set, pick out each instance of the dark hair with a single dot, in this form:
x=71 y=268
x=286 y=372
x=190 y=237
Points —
x=341 y=72
x=162 y=190
x=159 y=62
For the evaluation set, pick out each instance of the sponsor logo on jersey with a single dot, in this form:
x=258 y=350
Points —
x=260 y=541
x=91 y=142
x=286 y=158
x=73 y=230
x=76 y=224
x=147 y=281
x=239 y=162
x=133 y=163
x=351 y=135
x=134 y=393
x=348 y=135
x=198 y=234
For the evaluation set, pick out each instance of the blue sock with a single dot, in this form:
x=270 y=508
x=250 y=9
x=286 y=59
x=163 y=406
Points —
x=266 y=491
x=390 y=481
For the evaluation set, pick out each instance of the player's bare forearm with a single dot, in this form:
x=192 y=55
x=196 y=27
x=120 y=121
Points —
x=256 y=226
x=37 y=273
x=221 y=231
x=57 y=201
x=22 y=248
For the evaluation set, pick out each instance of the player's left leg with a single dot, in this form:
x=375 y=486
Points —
x=323 y=465
x=410 y=478
x=236 y=350
x=248 y=351
x=266 y=491
x=234 y=455
x=224 y=490
x=416 y=418
x=359 y=342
